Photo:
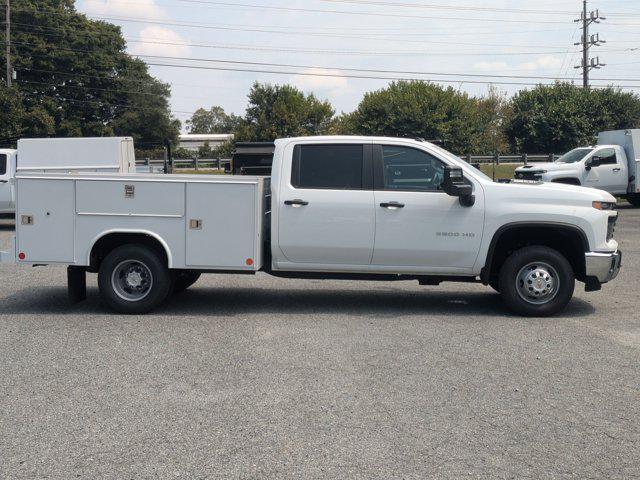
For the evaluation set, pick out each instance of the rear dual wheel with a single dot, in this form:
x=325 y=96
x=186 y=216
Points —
x=134 y=279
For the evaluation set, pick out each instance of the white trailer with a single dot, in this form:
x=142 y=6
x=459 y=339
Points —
x=335 y=207
x=57 y=155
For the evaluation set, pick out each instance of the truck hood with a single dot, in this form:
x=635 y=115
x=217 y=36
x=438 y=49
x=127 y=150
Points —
x=554 y=193
x=548 y=166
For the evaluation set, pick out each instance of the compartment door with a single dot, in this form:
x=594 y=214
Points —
x=221 y=226
x=45 y=220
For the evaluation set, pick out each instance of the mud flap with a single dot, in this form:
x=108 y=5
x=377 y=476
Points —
x=76 y=284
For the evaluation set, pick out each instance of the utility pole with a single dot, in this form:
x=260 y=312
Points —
x=8 y=43
x=588 y=41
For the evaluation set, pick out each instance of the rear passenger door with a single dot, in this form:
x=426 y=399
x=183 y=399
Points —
x=326 y=214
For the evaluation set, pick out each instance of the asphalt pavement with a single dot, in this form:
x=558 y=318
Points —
x=258 y=377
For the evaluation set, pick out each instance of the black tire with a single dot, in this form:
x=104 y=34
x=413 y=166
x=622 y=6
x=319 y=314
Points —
x=529 y=281
x=151 y=280
x=495 y=284
x=183 y=279
x=634 y=199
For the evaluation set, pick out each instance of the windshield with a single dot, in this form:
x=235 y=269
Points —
x=574 y=155
x=458 y=160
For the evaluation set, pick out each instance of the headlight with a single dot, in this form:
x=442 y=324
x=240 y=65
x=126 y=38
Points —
x=605 y=205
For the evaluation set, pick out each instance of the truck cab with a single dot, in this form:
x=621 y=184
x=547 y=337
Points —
x=7 y=173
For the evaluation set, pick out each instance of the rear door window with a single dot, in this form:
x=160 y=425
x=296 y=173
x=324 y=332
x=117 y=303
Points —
x=3 y=163
x=338 y=167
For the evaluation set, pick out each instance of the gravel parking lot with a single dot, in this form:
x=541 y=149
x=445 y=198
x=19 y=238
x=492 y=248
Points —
x=257 y=377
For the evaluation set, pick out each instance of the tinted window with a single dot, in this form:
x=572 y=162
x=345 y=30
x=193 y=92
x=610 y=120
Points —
x=3 y=164
x=328 y=166
x=410 y=169
x=607 y=156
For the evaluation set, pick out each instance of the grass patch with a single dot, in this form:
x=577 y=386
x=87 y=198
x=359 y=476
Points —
x=202 y=171
x=504 y=170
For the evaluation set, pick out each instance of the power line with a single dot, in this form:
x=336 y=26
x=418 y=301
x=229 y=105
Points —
x=321 y=74
x=252 y=47
x=338 y=68
x=461 y=7
x=316 y=10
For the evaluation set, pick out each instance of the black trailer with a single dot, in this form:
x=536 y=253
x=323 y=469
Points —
x=251 y=158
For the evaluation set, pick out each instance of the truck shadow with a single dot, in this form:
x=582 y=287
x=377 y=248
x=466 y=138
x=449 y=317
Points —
x=231 y=302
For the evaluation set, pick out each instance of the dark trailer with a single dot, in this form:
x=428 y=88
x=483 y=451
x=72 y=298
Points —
x=252 y=158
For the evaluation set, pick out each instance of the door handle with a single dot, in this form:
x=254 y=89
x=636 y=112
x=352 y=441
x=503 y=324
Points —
x=392 y=205
x=296 y=203
x=616 y=169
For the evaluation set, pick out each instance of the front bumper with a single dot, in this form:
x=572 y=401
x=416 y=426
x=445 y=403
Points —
x=603 y=266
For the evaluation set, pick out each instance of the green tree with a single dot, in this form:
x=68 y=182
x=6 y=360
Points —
x=75 y=77
x=283 y=111
x=492 y=110
x=419 y=109
x=12 y=115
x=214 y=120
x=563 y=116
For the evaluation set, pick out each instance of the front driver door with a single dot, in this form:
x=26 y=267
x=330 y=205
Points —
x=326 y=214
x=609 y=175
x=418 y=226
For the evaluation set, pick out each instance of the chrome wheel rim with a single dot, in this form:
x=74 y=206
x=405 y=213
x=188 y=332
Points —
x=132 y=280
x=537 y=283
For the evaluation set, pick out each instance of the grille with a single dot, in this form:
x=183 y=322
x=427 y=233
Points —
x=529 y=175
x=611 y=227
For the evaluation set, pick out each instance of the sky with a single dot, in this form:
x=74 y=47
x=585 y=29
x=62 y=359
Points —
x=323 y=46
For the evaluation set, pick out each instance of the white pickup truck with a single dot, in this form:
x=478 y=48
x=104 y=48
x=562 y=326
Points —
x=335 y=207
x=105 y=154
x=613 y=165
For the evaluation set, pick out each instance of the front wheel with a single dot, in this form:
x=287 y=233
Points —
x=133 y=279
x=536 y=281
x=634 y=199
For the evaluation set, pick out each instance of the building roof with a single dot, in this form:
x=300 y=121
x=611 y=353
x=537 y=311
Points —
x=219 y=137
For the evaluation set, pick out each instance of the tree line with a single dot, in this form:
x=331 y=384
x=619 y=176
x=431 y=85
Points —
x=544 y=119
x=76 y=79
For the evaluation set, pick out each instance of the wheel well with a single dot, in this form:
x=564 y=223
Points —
x=567 y=181
x=569 y=241
x=111 y=241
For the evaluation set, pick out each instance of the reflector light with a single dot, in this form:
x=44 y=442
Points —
x=249 y=261
x=22 y=256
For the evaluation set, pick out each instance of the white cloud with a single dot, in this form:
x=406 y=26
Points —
x=542 y=63
x=490 y=66
x=318 y=80
x=156 y=40
x=547 y=62
x=139 y=8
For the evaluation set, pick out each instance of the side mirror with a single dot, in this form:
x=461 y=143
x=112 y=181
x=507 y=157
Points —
x=593 y=162
x=455 y=186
